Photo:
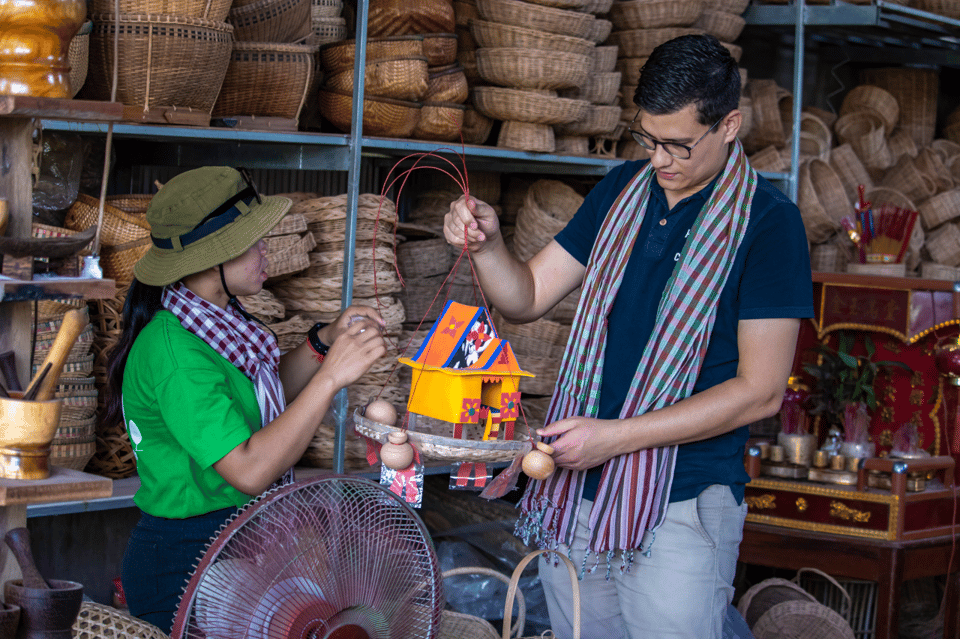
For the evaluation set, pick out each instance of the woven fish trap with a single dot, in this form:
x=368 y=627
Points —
x=398 y=78
x=383 y=117
x=400 y=17
x=724 y=26
x=215 y=10
x=98 y=621
x=598 y=120
x=433 y=439
x=768 y=159
x=940 y=208
x=166 y=60
x=526 y=136
x=654 y=14
x=501 y=103
x=849 y=169
x=905 y=176
x=278 y=21
x=915 y=91
x=863 y=130
x=640 y=43
x=529 y=15
x=440 y=121
x=498 y=35
x=872 y=98
x=338 y=57
x=943 y=244
x=900 y=144
x=532 y=68
x=446 y=84
x=78 y=56
x=817 y=223
x=266 y=79
x=118 y=226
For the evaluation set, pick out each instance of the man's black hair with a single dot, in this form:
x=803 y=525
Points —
x=691 y=69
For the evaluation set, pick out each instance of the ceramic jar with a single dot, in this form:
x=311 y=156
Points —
x=34 y=43
x=396 y=453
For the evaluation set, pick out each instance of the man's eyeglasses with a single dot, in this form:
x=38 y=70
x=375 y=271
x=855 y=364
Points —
x=675 y=149
x=249 y=180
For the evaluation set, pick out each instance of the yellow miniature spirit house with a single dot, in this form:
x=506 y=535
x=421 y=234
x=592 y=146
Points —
x=464 y=374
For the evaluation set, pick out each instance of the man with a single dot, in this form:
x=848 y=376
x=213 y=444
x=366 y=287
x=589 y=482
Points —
x=695 y=273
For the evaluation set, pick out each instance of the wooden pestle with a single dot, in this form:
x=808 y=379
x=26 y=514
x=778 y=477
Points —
x=43 y=386
x=18 y=539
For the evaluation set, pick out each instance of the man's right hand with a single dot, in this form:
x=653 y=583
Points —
x=477 y=218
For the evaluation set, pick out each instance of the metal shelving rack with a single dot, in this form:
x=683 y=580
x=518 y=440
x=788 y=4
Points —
x=881 y=32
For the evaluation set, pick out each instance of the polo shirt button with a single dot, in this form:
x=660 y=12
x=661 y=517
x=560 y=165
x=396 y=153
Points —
x=663 y=222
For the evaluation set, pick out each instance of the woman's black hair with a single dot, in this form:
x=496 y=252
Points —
x=142 y=303
x=692 y=69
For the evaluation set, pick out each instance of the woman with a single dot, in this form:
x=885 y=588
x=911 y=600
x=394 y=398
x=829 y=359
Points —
x=215 y=414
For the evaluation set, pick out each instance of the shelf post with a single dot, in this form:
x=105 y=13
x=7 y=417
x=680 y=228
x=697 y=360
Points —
x=798 y=51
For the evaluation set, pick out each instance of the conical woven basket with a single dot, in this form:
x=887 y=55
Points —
x=872 y=98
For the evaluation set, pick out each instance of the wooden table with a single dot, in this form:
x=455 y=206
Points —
x=889 y=563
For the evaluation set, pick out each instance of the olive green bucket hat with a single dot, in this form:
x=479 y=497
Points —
x=202 y=218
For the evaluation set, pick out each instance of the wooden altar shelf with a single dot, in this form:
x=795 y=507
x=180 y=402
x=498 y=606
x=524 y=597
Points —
x=56 y=288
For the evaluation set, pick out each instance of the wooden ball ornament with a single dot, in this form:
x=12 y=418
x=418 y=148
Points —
x=381 y=411
x=397 y=453
x=538 y=463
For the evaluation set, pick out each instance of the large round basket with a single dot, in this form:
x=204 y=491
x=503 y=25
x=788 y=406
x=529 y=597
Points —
x=654 y=14
x=533 y=68
x=398 y=78
x=215 y=10
x=166 y=60
x=533 y=16
x=495 y=34
x=447 y=84
x=501 y=103
x=441 y=121
x=384 y=117
x=78 y=54
x=271 y=21
x=527 y=136
x=119 y=226
x=724 y=26
x=640 y=43
x=266 y=79
x=433 y=439
x=338 y=57
x=871 y=98
x=401 y=17
x=440 y=48
x=598 y=120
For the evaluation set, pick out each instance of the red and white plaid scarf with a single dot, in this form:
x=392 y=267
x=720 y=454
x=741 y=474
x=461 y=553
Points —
x=245 y=344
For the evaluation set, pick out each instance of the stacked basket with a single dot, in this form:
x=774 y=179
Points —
x=269 y=75
x=75 y=440
x=288 y=246
x=172 y=53
x=528 y=51
x=326 y=23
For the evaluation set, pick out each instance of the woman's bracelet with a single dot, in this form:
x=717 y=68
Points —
x=313 y=338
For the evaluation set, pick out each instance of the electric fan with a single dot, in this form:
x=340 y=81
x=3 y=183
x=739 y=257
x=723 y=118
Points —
x=327 y=558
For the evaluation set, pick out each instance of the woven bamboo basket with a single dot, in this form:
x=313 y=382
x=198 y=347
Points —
x=325 y=8
x=828 y=258
x=338 y=57
x=900 y=144
x=573 y=5
x=98 y=621
x=423 y=258
x=73 y=455
x=440 y=121
x=777 y=608
x=397 y=78
x=400 y=17
x=166 y=60
x=326 y=30
x=215 y=10
x=732 y=6
x=598 y=30
x=907 y=178
x=118 y=261
x=547 y=207
x=381 y=116
x=884 y=195
x=465 y=11
x=497 y=35
x=640 y=43
x=746 y=117
x=526 y=136
x=599 y=120
x=440 y=48
x=952 y=132
x=534 y=16
x=542 y=337
x=501 y=103
x=532 y=68
x=767 y=125
x=725 y=26
x=629 y=69
x=872 y=98
x=928 y=161
x=934 y=271
x=476 y=126
x=278 y=21
x=599 y=88
x=54 y=309
x=571 y=145
x=768 y=159
x=654 y=14
x=447 y=84
x=118 y=227
x=939 y=209
x=818 y=224
x=604 y=58
x=946 y=149
x=264 y=306
x=863 y=130
x=266 y=79
x=78 y=56
x=836 y=201
x=915 y=91
x=943 y=244
x=849 y=168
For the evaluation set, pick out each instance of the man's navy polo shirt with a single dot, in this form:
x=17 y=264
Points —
x=770 y=278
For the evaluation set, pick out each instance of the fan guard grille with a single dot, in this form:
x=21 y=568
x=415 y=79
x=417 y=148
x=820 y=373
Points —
x=328 y=558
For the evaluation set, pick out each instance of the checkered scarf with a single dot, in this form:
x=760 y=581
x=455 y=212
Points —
x=634 y=488
x=239 y=340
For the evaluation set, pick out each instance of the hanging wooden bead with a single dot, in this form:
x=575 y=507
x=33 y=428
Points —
x=538 y=463
x=397 y=453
